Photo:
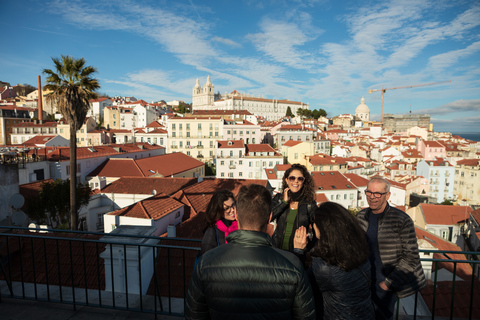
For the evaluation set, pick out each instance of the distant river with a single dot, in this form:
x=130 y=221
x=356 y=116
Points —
x=470 y=136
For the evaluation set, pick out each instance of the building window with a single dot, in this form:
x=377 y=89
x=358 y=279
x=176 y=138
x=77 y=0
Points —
x=173 y=126
x=222 y=174
x=188 y=153
x=240 y=174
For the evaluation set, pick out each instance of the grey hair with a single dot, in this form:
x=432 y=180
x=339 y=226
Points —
x=381 y=179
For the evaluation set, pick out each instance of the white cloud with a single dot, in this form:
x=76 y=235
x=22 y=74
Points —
x=454 y=107
x=228 y=42
x=447 y=59
x=280 y=41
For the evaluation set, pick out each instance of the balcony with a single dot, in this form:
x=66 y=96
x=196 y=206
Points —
x=232 y=166
x=174 y=147
x=150 y=275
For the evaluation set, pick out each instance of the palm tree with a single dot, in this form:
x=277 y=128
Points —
x=72 y=85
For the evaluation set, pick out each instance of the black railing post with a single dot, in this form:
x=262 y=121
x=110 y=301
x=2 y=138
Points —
x=140 y=278
x=453 y=289
x=85 y=273
x=46 y=268
x=34 y=269
x=73 y=276
x=98 y=276
x=126 y=273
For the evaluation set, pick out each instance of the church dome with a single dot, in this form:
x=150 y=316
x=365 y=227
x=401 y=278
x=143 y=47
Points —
x=362 y=107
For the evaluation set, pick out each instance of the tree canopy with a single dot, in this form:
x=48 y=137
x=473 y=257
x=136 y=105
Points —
x=72 y=85
x=289 y=112
x=315 y=114
x=52 y=205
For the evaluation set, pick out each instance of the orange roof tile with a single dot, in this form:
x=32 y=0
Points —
x=117 y=167
x=331 y=180
x=153 y=208
x=142 y=185
x=228 y=144
x=168 y=164
x=291 y=143
x=445 y=214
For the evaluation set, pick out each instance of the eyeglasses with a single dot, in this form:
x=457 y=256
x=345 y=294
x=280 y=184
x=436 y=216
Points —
x=375 y=194
x=293 y=178
x=227 y=208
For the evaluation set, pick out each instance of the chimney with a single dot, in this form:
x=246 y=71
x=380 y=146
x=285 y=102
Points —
x=171 y=231
x=40 y=100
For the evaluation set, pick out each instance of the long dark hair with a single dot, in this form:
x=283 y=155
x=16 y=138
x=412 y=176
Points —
x=307 y=193
x=215 y=210
x=342 y=241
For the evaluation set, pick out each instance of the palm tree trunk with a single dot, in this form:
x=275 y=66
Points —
x=73 y=178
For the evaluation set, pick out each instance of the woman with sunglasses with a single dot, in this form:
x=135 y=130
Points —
x=220 y=216
x=340 y=268
x=294 y=206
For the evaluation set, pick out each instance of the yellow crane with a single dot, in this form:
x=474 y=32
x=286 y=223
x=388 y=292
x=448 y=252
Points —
x=412 y=86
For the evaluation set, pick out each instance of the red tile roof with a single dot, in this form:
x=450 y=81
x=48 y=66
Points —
x=291 y=143
x=260 y=148
x=469 y=162
x=38 y=140
x=270 y=174
x=331 y=180
x=433 y=144
x=463 y=270
x=226 y=144
x=142 y=185
x=153 y=208
x=445 y=214
x=476 y=215
x=356 y=179
x=168 y=164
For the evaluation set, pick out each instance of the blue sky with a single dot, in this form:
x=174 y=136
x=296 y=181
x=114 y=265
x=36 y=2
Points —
x=325 y=53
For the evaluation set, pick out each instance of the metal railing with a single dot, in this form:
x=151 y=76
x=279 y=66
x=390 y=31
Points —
x=128 y=272
x=151 y=274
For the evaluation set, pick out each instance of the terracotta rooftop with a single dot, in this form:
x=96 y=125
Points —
x=476 y=215
x=433 y=144
x=445 y=214
x=291 y=143
x=469 y=162
x=153 y=208
x=38 y=140
x=356 y=179
x=168 y=164
x=270 y=174
x=260 y=148
x=142 y=185
x=117 y=167
x=331 y=180
x=230 y=144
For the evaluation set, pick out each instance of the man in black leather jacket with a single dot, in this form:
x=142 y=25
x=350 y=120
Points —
x=248 y=278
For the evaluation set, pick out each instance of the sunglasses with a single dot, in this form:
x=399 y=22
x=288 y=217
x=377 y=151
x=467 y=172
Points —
x=293 y=178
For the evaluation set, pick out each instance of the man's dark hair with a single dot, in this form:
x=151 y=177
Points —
x=215 y=210
x=342 y=241
x=254 y=205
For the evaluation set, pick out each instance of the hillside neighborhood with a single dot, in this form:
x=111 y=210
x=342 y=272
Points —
x=148 y=164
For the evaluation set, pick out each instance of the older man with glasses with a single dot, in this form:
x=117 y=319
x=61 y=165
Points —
x=396 y=270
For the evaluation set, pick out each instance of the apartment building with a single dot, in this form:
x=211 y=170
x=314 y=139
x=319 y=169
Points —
x=11 y=115
x=467 y=181
x=236 y=160
x=293 y=132
x=194 y=136
x=440 y=175
x=27 y=130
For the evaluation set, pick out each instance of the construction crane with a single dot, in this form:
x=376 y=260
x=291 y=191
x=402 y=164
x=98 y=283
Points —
x=412 y=86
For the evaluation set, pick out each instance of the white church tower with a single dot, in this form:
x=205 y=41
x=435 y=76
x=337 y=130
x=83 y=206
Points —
x=203 y=96
x=362 y=112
